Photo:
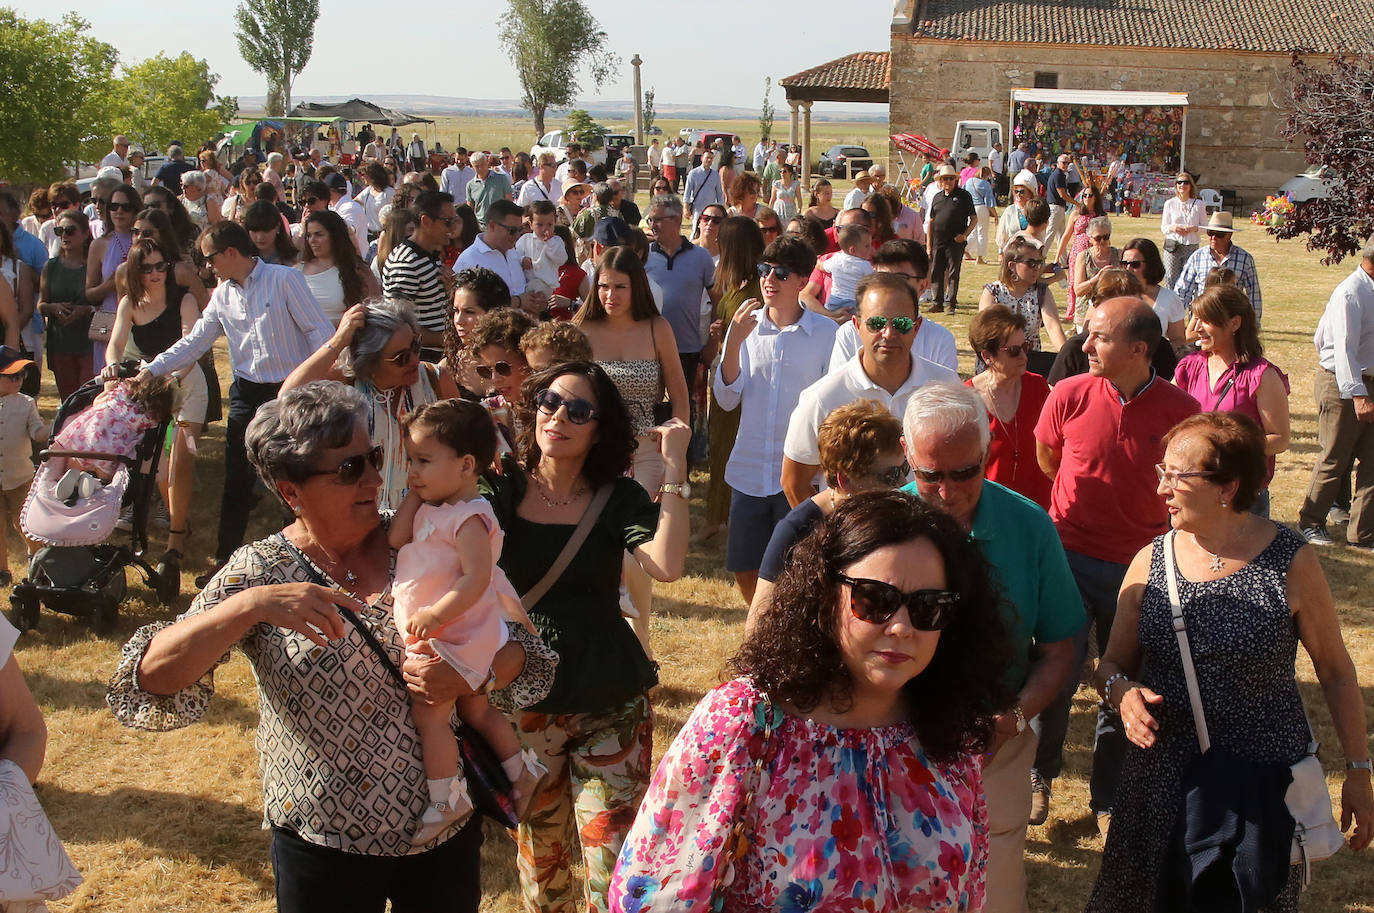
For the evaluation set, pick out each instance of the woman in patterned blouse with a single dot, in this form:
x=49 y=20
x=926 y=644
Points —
x=844 y=758
x=343 y=781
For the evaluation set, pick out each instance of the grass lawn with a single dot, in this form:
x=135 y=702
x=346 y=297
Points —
x=169 y=822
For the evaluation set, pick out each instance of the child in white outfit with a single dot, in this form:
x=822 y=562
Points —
x=848 y=267
x=20 y=425
x=449 y=597
x=541 y=251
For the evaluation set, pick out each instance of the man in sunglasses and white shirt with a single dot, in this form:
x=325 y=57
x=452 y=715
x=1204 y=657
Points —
x=495 y=249
x=884 y=371
x=945 y=436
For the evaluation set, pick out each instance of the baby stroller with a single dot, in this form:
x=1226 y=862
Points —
x=76 y=571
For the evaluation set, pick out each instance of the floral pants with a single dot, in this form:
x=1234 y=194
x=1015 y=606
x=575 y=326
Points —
x=599 y=768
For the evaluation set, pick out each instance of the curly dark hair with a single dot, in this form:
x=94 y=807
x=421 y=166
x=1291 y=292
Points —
x=614 y=447
x=793 y=652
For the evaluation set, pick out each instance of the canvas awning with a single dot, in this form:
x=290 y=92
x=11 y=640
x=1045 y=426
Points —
x=1076 y=97
x=355 y=110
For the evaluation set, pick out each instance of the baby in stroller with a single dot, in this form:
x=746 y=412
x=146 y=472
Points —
x=113 y=424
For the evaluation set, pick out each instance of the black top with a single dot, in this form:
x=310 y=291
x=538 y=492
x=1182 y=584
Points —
x=1058 y=180
x=1071 y=360
x=950 y=213
x=157 y=335
x=169 y=175
x=790 y=530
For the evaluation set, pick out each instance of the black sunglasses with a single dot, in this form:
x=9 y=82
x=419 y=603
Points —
x=936 y=476
x=145 y=233
x=781 y=273
x=1133 y=264
x=350 y=470
x=121 y=207
x=1015 y=352
x=148 y=269
x=404 y=357
x=65 y=231
x=1218 y=234
x=902 y=325
x=310 y=201
x=501 y=368
x=893 y=476
x=876 y=602
x=580 y=412
x=512 y=229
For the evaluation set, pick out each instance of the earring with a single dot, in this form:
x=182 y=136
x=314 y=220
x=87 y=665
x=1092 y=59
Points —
x=296 y=509
x=1223 y=502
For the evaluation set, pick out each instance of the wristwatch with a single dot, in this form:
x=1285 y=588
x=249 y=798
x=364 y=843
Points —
x=1020 y=719
x=681 y=489
x=1365 y=765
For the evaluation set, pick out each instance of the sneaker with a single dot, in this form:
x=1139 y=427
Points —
x=1040 y=799
x=1316 y=535
x=1337 y=516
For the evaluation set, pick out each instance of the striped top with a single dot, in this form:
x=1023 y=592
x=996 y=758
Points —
x=411 y=273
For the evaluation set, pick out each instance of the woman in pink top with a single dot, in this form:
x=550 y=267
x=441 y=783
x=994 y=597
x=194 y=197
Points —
x=1231 y=374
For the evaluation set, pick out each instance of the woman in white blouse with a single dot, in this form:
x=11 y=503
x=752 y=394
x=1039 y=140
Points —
x=337 y=276
x=1183 y=215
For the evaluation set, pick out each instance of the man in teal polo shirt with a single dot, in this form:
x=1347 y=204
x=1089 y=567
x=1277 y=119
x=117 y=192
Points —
x=946 y=441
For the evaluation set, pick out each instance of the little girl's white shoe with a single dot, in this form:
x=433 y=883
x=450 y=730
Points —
x=441 y=813
x=526 y=785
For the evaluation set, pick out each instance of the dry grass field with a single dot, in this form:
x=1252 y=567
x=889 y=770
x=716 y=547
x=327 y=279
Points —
x=168 y=823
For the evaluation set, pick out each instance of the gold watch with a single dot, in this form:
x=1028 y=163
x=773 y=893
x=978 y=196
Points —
x=681 y=489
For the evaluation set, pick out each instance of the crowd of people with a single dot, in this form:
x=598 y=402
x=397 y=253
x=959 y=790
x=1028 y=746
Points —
x=475 y=397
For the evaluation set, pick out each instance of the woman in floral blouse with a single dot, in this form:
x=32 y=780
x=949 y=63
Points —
x=844 y=759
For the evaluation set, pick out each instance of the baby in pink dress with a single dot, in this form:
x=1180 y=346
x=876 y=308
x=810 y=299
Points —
x=451 y=598
x=113 y=423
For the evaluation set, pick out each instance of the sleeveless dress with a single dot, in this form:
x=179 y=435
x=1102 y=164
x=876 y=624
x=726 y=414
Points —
x=116 y=252
x=1078 y=243
x=787 y=206
x=383 y=427
x=1027 y=305
x=159 y=334
x=1244 y=642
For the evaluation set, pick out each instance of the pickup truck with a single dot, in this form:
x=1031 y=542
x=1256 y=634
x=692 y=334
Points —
x=557 y=143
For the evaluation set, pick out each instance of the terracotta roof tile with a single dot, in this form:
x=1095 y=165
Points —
x=1247 y=25
x=865 y=70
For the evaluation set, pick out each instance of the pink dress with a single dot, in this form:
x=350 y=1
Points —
x=114 y=423
x=841 y=820
x=1079 y=244
x=427 y=567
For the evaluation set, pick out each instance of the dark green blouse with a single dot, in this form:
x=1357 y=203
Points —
x=601 y=664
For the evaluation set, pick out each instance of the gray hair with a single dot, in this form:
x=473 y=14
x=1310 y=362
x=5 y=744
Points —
x=194 y=178
x=274 y=157
x=287 y=436
x=667 y=205
x=384 y=317
x=1099 y=224
x=479 y=157
x=604 y=192
x=175 y=152
x=106 y=183
x=1369 y=249
x=945 y=409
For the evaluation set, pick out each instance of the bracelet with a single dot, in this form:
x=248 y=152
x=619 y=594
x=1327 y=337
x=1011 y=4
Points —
x=1107 y=686
x=1366 y=765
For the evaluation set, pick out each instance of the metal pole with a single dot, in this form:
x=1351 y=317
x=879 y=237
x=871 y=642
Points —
x=639 y=103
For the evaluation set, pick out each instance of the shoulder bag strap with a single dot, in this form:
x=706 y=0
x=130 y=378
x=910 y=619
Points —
x=368 y=637
x=565 y=557
x=1181 y=631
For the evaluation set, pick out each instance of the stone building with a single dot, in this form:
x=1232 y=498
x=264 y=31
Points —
x=957 y=60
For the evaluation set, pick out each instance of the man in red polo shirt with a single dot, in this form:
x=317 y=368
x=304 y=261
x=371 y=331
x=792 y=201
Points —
x=1098 y=438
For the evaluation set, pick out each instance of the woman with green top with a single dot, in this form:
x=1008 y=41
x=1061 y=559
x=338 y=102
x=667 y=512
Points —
x=62 y=302
x=594 y=730
x=737 y=281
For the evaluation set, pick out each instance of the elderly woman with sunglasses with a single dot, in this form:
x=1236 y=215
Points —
x=594 y=731
x=310 y=608
x=1093 y=259
x=840 y=765
x=1020 y=288
x=377 y=349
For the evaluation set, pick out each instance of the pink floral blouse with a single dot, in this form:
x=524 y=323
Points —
x=841 y=819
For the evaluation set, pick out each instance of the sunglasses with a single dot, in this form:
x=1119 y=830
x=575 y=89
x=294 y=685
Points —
x=936 y=476
x=406 y=355
x=781 y=273
x=1132 y=264
x=902 y=325
x=1218 y=234
x=100 y=201
x=501 y=369
x=893 y=476
x=580 y=412
x=1099 y=237
x=350 y=470
x=65 y=231
x=512 y=229
x=310 y=201
x=121 y=207
x=876 y=602
x=1183 y=183
x=770 y=229
x=711 y=219
x=148 y=269
x=1035 y=264
x=1016 y=351
x=145 y=233
x=60 y=205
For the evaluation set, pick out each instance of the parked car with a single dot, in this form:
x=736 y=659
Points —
x=557 y=142
x=843 y=160
x=1312 y=184
x=654 y=130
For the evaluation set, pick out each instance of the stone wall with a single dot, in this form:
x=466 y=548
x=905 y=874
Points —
x=1232 y=131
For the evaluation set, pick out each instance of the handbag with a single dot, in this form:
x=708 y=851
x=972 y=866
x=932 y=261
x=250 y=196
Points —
x=36 y=866
x=1316 y=835
x=102 y=325
x=767 y=717
x=1171 y=245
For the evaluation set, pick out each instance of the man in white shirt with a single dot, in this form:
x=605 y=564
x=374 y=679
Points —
x=542 y=185
x=933 y=342
x=494 y=248
x=574 y=153
x=454 y=180
x=774 y=349
x=1345 y=407
x=655 y=156
x=349 y=210
x=863 y=189
x=883 y=371
x=760 y=155
x=703 y=186
x=118 y=157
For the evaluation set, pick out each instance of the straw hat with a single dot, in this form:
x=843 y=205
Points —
x=1221 y=221
x=947 y=171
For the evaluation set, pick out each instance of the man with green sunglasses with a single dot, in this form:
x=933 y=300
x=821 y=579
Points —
x=884 y=370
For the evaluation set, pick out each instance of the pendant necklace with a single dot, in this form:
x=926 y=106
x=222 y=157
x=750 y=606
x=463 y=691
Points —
x=1218 y=562
x=1013 y=433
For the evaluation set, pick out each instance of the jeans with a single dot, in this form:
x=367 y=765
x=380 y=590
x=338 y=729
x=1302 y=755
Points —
x=236 y=504
x=1099 y=583
x=313 y=878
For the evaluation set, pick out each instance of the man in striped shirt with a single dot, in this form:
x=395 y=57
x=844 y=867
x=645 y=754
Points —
x=414 y=273
x=271 y=323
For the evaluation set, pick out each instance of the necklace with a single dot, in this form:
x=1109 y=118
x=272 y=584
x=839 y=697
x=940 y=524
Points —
x=1014 y=433
x=347 y=576
x=541 y=485
x=1218 y=562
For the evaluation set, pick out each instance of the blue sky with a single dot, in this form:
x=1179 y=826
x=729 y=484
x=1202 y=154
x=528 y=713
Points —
x=711 y=52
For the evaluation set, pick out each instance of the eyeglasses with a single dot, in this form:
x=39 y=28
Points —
x=893 y=476
x=350 y=470
x=145 y=233
x=936 y=476
x=780 y=273
x=512 y=229
x=65 y=231
x=902 y=325
x=580 y=412
x=1031 y=262
x=1015 y=351
x=148 y=269
x=876 y=602
x=1132 y=264
x=1171 y=477
x=404 y=357
x=500 y=369
x=121 y=207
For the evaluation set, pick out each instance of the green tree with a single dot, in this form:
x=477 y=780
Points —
x=585 y=127
x=551 y=41
x=767 y=114
x=48 y=111
x=169 y=98
x=648 y=113
x=275 y=38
